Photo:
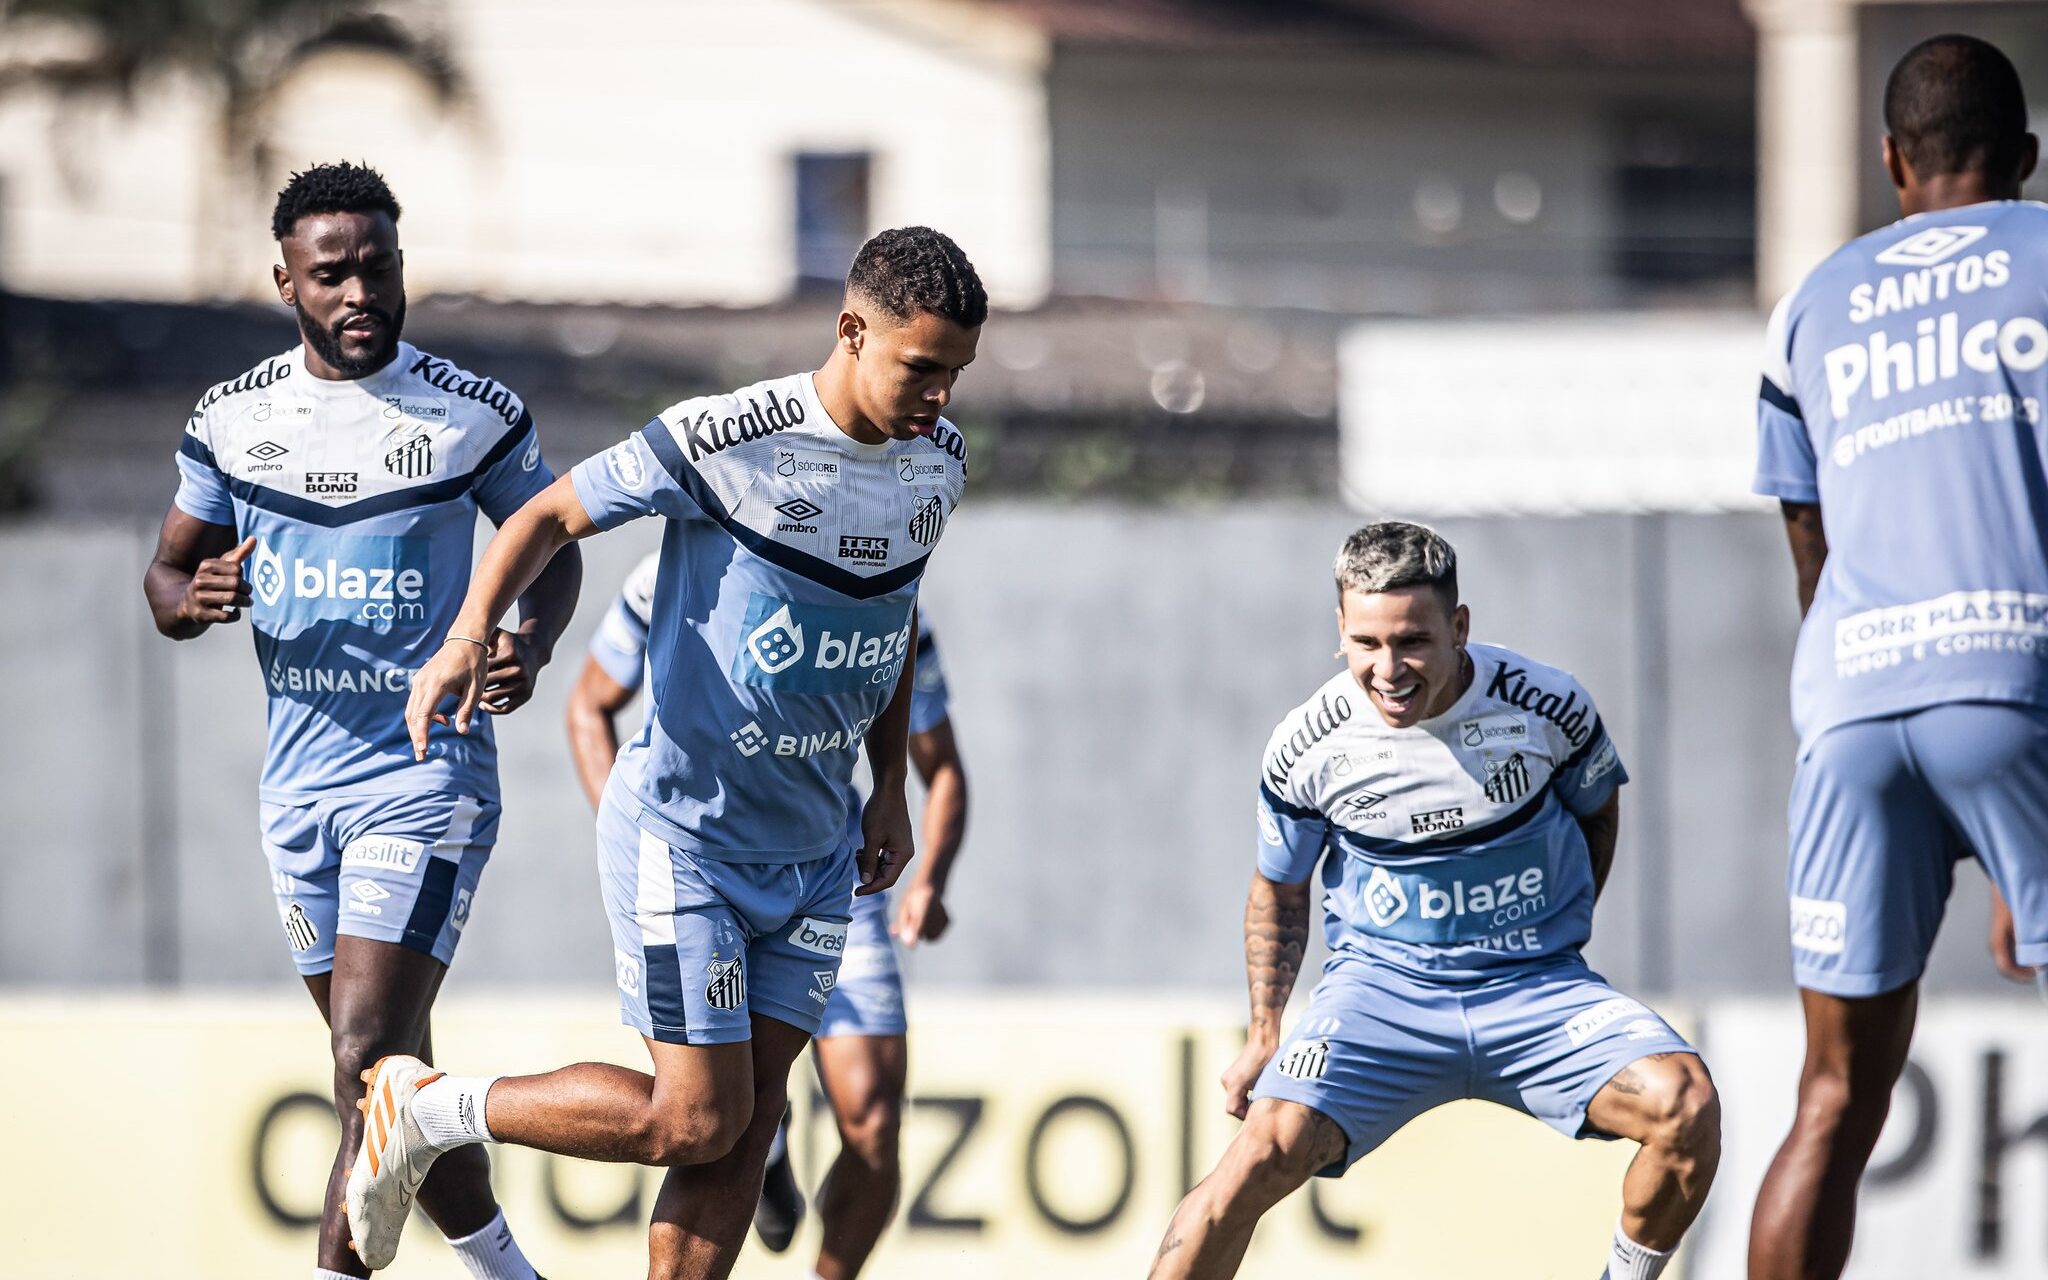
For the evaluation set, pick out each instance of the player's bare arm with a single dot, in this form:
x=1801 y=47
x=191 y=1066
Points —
x=1601 y=828
x=518 y=653
x=512 y=562
x=1809 y=541
x=195 y=578
x=1276 y=923
x=935 y=754
x=594 y=706
x=887 y=843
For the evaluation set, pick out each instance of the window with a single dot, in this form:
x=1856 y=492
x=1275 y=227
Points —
x=831 y=216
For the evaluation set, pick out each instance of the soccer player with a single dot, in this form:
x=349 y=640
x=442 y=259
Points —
x=1899 y=423
x=861 y=1048
x=331 y=492
x=800 y=512
x=1463 y=802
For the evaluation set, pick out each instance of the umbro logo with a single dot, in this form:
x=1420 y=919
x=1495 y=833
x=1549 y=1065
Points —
x=268 y=450
x=800 y=509
x=1925 y=248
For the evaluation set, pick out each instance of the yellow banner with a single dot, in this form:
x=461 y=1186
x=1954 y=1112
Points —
x=191 y=1137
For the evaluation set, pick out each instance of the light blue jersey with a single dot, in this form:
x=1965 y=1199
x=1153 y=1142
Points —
x=1454 y=851
x=780 y=614
x=1903 y=389
x=619 y=647
x=363 y=497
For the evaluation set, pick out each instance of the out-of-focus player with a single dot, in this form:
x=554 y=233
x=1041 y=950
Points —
x=799 y=516
x=332 y=492
x=1899 y=423
x=1463 y=802
x=861 y=1048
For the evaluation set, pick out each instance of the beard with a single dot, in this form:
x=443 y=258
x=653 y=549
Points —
x=326 y=341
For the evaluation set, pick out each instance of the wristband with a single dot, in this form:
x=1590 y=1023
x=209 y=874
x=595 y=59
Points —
x=471 y=639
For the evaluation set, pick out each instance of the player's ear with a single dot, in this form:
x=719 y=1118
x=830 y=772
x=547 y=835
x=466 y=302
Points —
x=1895 y=163
x=1461 y=625
x=2030 y=155
x=852 y=330
x=283 y=279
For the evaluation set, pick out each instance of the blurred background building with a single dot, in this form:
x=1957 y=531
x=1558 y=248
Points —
x=1263 y=268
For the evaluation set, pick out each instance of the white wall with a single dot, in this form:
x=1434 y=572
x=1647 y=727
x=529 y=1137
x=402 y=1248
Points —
x=625 y=150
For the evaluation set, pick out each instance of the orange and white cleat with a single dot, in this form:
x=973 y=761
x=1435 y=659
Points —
x=392 y=1161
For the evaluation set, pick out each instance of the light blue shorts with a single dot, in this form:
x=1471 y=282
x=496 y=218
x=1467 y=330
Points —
x=699 y=945
x=1377 y=1048
x=394 y=868
x=1881 y=812
x=868 y=1000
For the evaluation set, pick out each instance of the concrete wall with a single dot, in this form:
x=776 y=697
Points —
x=1115 y=672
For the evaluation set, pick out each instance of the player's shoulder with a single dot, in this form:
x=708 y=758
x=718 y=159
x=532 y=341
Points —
x=1304 y=734
x=739 y=427
x=432 y=389
x=1512 y=682
x=244 y=390
x=637 y=593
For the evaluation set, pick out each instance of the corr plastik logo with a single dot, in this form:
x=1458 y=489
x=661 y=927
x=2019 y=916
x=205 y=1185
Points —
x=1820 y=925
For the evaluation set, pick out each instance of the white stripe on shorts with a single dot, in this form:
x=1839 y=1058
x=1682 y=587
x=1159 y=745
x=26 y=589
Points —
x=461 y=829
x=654 y=904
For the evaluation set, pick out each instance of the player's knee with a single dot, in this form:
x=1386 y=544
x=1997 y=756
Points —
x=356 y=1050
x=1682 y=1109
x=694 y=1132
x=1270 y=1158
x=872 y=1131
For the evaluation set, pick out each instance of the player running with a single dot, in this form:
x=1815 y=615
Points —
x=1468 y=801
x=800 y=515
x=1899 y=423
x=861 y=1050
x=332 y=492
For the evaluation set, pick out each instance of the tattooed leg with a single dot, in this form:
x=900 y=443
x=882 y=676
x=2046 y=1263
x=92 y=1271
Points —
x=1668 y=1104
x=1281 y=1145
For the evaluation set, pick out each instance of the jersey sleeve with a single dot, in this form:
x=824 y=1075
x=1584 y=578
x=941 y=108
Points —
x=1786 y=468
x=643 y=475
x=928 y=696
x=1591 y=772
x=512 y=472
x=619 y=645
x=1291 y=838
x=202 y=488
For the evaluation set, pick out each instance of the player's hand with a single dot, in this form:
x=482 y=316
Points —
x=922 y=917
x=457 y=672
x=218 y=592
x=2004 y=941
x=516 y=661
x=1242 y=1074
x=886 y=845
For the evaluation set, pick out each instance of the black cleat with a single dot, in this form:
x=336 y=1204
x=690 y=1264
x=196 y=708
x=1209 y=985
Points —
x=781 y=1208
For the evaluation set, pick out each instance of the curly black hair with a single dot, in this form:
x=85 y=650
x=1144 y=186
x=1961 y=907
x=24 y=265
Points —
x=1954 y=104
x=331 y=188
x=910 y=269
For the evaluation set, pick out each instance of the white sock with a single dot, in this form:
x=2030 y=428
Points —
x=450 y=1111
x=1631 y=1261
x=322 y=1273
x=492 y=1253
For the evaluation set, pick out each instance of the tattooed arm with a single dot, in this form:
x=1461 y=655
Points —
x=1276 y=920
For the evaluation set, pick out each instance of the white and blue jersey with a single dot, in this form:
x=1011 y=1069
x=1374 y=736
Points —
x=1903 y=389
x=867 y=998
x=362 y=496
x=1453 y=845
x=781 y=612
x=1459 y=891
